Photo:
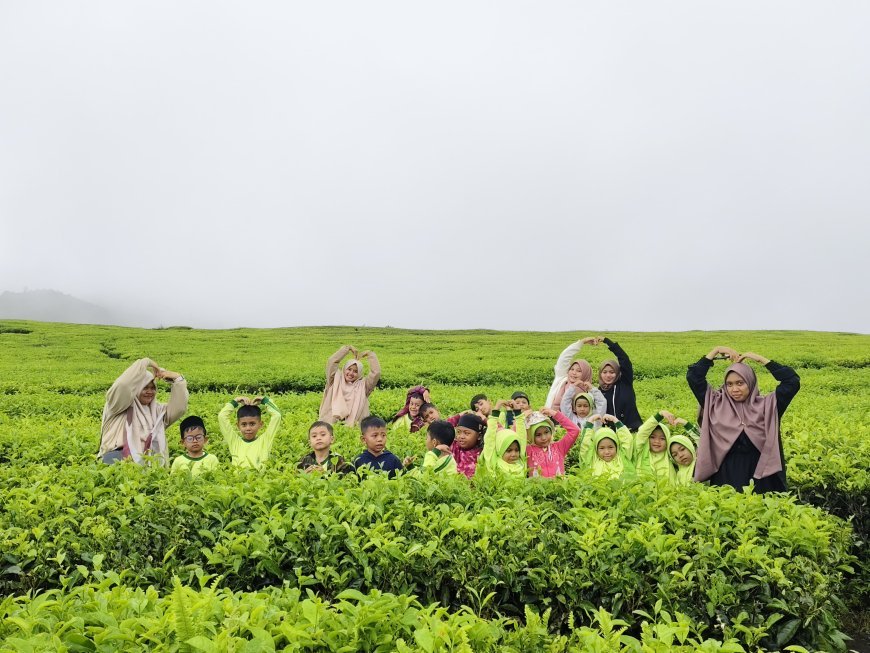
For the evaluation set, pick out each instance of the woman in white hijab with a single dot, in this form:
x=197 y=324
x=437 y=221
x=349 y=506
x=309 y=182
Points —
x=134 y=422
x=346 y=396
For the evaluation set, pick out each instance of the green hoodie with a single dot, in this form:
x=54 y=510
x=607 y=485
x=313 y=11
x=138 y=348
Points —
x=495 y=442
x=684 y=474
x=647 y=462
x=621 y=466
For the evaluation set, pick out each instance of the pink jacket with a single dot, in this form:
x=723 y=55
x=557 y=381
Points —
x=550 y=462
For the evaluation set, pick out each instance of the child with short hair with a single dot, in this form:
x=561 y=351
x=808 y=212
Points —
x=504 y=450
x=467 y=446
x=321 y=458
x=545 y=457
x=431 y=414
x=194 y=438
x=248 y=450
x=439 y=436
x=373 y=434
x=479 y=405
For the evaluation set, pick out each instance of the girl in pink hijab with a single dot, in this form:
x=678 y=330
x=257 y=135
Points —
x=346 y=396
x=740 y=437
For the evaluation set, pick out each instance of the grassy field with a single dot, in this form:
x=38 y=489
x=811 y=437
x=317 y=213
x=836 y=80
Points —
x=52 y=383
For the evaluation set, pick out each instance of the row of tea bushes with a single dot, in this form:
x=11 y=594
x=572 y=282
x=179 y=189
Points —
x=571 y=545
x=106 y=616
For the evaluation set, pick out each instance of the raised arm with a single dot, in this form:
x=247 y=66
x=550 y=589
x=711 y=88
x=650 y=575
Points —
x=488 y=453
x=571 y=433
x=600 y=401
x=333 y=361
x=696 y=375
x=225 y=422
x=178 y=397
x=567 y=355
x=566 y=407
x=127 y=386
x=625 y=367
x=374 y=371
x=275 y=418
x=789 y=381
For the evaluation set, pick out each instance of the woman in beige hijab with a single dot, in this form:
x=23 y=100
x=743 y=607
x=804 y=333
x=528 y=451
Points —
x=346 y=396
x=134 y=422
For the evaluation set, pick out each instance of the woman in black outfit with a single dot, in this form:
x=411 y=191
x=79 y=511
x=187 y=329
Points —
x=616 y=382
x=740 y=437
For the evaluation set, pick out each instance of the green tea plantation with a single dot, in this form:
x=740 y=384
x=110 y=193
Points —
x=128 y=558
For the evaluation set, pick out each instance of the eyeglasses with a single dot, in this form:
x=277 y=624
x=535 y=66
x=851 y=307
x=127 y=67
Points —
x=194 y=438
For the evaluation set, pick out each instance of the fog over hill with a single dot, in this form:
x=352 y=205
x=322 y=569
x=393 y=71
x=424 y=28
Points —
x=54 y=306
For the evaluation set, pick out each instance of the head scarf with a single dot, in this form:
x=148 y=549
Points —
x=589 y=400
x=724 y=419
x=585 y=375
x=616 y=468
x=536 y=421
x=473 y=422
x=504 y=438
x=684 y=473
x=348 y=401
x=615 y=365
x=416 y=422
x=649 y=462
x=145 y=430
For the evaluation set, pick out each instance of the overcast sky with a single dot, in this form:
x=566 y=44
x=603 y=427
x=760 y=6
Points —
x=514 y=165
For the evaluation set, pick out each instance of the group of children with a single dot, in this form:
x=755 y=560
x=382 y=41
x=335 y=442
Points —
x=509 y=438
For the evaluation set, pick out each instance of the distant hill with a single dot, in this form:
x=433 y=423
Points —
x=52 y=306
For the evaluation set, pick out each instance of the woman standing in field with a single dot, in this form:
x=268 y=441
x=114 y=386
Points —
x=134 y=422
x=346 y=396
x=570 y=372
x=740 y=437
x=616 y=382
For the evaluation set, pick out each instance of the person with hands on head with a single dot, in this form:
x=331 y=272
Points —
x=581 y=401
x=608 y=452
x=569 y=372
x=245 y=447
x=134 y=422
x=546 y=458
x=346 y=395
x=616 y=382
x=504 y=450
x=740 y=428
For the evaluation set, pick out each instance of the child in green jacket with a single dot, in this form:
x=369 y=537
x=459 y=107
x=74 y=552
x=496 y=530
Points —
x=246 y=448
x=504 y=450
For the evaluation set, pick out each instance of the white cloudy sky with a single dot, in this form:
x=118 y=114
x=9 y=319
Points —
x=519 y=165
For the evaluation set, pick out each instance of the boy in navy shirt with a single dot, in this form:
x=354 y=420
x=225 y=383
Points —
x=374 y=436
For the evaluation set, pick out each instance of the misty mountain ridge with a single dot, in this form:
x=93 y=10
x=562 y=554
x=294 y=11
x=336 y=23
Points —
x=55 y=306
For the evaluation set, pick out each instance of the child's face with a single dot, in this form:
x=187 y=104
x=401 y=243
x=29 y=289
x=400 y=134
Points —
x=581 y=407
x=681 y=454
x=249 y=427
x=735 y=385
x=483 y=406
x=521 y=403
x=543 y=437
x=657 y=442
x=194 y=441
x=147 y=394
x=375 y=440
x=466 y=437
x=512 y=454
x=351 y=373
x=606 y=450
x=431 y=415
x=320 y=438
x=414 y=406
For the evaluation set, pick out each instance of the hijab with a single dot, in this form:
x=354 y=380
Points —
x=347 y=401
x=656 y=464
x=685 y=473
x=616 y=468
x=416 y=422
x=725 y=419
x=615 y=365
x=145 y=432
x=585 y=375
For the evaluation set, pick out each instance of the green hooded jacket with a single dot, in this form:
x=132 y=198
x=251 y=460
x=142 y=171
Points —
x=621 y=465
x=495 y=442
x=684 y=474
x=649 y=463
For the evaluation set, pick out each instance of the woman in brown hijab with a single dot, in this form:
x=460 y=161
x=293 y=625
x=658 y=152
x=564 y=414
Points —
x=740 y=437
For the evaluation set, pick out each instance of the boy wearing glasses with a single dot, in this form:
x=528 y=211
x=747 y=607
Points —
x=193 y=439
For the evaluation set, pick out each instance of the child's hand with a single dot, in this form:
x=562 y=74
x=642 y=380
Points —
x=594 y=418
x=426 y=397
x=443 y=447
x=256 y=400
x=668 y=416
x=408 y=461
x=679 y=421
x=585 y=386
x=549 y=412
x=610 y=419
x=314 y=468
x=527 y=412
x=244 y=401
x=503 y=403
